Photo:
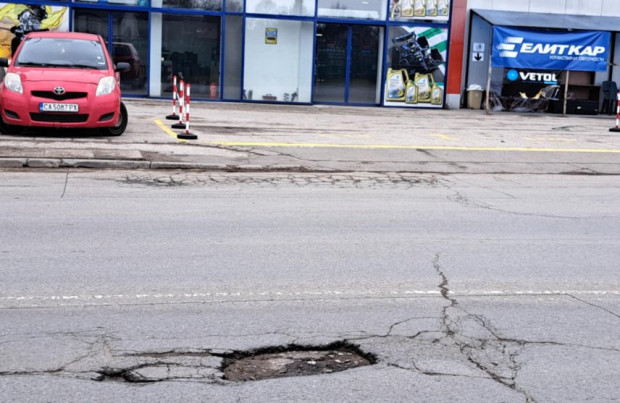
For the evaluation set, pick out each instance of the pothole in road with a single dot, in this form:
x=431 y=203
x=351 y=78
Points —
x=238 y=366
x=294 y=361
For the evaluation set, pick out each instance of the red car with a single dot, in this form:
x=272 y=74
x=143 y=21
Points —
x=62 y=80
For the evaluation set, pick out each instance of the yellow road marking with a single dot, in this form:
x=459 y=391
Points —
x=345 y=135
x=443 y=136
x=168 y=131
x=413 y=147
x=549 y=139
x=172 y=134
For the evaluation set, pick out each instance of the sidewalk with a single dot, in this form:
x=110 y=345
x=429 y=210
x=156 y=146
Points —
x=268 y=137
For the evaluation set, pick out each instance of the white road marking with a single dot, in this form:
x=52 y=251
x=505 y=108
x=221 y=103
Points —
x=138 y=298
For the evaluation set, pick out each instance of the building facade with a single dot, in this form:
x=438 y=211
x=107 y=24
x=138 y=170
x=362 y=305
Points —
x=540 y=86
x=402 y=53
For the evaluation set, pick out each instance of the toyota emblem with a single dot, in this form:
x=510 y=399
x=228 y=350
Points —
x=59 y=90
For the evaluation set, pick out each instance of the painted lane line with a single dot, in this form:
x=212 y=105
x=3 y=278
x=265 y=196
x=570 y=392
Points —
x=444 y=137
x=352 y=136
x=168 y=131
x=313 y=293
x=413 y=147
x=550 y=139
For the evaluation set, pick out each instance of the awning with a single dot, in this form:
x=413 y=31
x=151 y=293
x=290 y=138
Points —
x=547 y=20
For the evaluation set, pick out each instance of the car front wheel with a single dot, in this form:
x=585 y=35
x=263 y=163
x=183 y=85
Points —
x=9 y=129
x=120 y=126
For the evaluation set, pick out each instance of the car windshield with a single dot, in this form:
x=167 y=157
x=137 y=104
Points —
x=62 y=52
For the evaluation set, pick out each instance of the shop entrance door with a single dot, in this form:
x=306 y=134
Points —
x=348 y=63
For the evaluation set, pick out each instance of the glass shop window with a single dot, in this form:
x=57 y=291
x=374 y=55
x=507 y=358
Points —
x=281 y=7
x=364 y=9
x=278 y=60
x=209 y=5
x=191 y=51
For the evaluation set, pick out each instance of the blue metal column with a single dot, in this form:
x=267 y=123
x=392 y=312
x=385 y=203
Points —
x=348 y=63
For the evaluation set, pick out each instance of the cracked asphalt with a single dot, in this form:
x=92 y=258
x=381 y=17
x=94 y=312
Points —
x=139 y=285
x=472 y=256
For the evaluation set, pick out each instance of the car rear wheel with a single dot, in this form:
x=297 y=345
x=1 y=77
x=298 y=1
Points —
x=120 y=126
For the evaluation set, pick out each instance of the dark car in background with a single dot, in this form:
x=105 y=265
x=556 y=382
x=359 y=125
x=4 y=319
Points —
x=135 y=77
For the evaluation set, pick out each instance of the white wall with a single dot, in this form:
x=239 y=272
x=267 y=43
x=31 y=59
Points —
x=304 y=78
x=585 y=7
x=155 y=54
x=611 y=8
x=548 y=6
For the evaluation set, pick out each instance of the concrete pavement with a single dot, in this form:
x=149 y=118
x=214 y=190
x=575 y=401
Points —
x=268 y=137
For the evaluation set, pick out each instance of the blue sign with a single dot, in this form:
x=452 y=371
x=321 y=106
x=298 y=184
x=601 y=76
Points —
x=526 y=49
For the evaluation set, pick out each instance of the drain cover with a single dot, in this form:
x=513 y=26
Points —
x=292 y=362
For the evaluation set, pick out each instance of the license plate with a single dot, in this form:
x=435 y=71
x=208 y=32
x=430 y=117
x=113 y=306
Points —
x=52 y=107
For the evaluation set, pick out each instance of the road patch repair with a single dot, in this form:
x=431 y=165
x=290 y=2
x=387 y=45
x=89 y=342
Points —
x=236 y=366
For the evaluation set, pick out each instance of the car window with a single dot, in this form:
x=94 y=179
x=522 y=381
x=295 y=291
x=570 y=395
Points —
x=62 y=52
x=121 y=51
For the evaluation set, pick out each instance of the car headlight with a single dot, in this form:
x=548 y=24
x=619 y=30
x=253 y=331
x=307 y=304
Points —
x=106 y=86
x=13 y=82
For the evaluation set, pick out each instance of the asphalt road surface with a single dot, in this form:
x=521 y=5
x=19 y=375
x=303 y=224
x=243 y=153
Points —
x=139 y=286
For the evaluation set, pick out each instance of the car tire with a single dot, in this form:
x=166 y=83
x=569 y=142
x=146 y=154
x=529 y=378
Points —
x=9 y=129
x=120 y=126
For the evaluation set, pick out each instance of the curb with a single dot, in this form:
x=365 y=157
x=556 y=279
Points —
x=100 y=164
x=13 y=162
x=47 y=163
x=35 y=163
x=187 y=165
x=561 y=168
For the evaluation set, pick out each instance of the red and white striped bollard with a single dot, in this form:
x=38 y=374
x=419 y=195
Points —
x=617 y=128
x=174 y=115
x=187 y=135
x=180 y=124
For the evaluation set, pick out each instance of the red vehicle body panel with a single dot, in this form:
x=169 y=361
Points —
x=79 y=87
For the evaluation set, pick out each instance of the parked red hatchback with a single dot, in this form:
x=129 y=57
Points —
x=62 y=80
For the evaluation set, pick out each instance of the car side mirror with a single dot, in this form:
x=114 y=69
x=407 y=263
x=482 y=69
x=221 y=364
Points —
x=4 y=62
x=122 y=67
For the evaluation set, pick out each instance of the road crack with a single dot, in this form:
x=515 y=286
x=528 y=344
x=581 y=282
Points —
x=595 y=306
x=64 y=189
x=491 y=354
x=465 y=201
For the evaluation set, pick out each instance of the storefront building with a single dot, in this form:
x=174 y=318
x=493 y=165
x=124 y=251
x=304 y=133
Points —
x=345 y=52
x=391 y=53
x=556 y=56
